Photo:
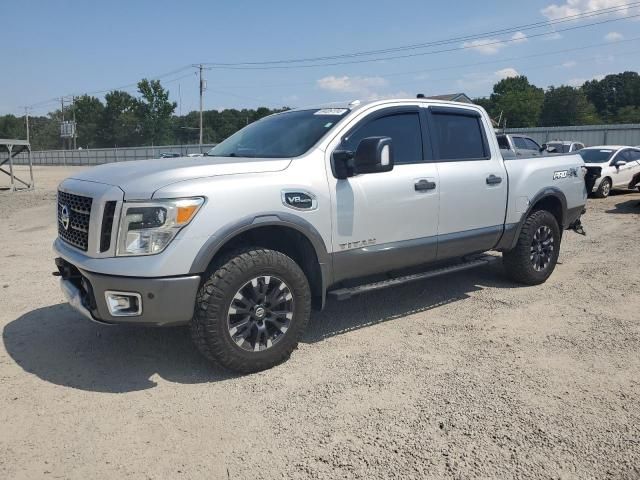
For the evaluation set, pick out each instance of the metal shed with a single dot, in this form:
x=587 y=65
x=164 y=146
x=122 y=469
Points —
x=12 y=148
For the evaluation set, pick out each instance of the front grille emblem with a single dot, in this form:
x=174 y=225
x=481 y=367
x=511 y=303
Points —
x=65 y=217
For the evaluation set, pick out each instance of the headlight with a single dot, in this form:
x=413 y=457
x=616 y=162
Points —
x=147 y=228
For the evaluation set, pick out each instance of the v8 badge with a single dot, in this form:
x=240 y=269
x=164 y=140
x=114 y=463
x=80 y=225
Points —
x=299 y=200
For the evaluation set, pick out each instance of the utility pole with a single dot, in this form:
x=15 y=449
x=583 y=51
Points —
x=62 y=123
x=75 y=134
x=202 y=87
x=26 y=118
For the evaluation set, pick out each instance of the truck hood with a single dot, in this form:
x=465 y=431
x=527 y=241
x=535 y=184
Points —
x=139 y=179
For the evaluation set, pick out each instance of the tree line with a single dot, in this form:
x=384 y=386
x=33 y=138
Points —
x=124 y=120
x=515 y=102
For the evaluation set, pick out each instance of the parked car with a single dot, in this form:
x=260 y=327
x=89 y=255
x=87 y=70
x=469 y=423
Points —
x=615 y=164
x=169 y=155
x=196 y=155
x=563 y=146
x=520 y=145
x=331 y=201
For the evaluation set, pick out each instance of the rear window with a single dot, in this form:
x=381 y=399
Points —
x=596 y=155
x=560 y=147
x=459 y=137
x=503 y=142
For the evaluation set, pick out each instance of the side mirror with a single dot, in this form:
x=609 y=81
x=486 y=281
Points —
x=373 y=155
x=551 y=149
x=619 y=163
x=543 y=147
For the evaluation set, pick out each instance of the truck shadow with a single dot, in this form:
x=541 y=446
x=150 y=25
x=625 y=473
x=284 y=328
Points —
x=59 y=346
x=630 y=206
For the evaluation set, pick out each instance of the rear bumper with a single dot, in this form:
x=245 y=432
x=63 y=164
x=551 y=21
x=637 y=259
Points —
x=165 y=301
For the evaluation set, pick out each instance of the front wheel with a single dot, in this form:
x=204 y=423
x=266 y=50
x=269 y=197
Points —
x=604 y=189
x=535 y=255
x=252 y=310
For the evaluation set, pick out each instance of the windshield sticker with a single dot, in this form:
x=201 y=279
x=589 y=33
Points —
x=332 y=111
x=328 y=124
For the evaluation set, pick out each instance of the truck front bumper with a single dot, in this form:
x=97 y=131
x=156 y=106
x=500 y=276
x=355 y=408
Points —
x=163 y=301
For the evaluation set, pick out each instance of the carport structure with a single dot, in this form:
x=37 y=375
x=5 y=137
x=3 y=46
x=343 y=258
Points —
x=12 y=148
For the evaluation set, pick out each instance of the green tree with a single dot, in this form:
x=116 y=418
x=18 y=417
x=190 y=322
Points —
x=518 y=101
x=89 y=114
x=12 y=127
x=120 y=122
x=155 y=110
x=613 y=93
x=567 y=106
x=628 y=114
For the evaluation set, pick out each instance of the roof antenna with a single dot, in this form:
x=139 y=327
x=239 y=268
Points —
x=420 y=95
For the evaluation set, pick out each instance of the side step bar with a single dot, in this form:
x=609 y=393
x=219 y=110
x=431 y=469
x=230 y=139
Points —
x=471 y=262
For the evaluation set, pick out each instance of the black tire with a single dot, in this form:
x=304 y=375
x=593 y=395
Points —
x=211 y=323
x=523 y=264
x=604 y=189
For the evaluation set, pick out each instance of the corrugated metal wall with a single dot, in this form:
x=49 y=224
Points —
x=589 y=135
x=98 y=156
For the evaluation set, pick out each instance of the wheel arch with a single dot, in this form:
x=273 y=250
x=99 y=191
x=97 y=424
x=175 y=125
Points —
x=283 y=232
x=550 y=199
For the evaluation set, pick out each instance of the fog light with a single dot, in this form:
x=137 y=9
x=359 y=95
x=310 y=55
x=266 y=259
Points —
x=123 y=304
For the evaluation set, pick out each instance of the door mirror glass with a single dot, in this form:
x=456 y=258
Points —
x=373 y=155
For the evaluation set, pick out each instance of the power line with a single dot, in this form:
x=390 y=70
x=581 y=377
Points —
x=455 y=67
x=433 y=52
x=515 y=29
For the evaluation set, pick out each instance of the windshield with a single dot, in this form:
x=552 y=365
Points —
x=283 y=135
x=560 y=147
x=596 y=155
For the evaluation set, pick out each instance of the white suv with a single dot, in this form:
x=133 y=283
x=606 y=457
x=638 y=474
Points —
x=617 y=164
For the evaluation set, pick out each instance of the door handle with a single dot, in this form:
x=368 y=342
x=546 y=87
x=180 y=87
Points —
x=423 y=185
x=493 y=180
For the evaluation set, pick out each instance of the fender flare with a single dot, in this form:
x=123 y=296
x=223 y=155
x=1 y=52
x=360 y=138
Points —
x=510 y=237
x=215 y=242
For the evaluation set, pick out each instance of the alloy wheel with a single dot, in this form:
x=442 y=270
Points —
x=542 y=247
x=260 y=313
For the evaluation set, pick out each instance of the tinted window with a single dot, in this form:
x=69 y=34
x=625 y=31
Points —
x=560 y=147
x=520 y=143
x=531 y=145
x=596 y=155
x=503 y=142
x=402 y=128
x=288 y=134
x=459 y=137
x=634 y=155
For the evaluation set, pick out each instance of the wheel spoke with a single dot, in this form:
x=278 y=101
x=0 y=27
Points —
x=260 y=313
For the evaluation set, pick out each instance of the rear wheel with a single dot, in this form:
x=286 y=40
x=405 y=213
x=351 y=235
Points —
x=535 y=255
x=252 y=310
x=604 y=189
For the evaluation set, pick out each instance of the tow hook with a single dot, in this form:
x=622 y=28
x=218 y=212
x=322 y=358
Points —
x=577 y=227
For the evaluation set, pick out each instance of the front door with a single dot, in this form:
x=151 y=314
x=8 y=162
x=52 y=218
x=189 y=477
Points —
x=386 y=221
x=473 y=182
x=623 y=174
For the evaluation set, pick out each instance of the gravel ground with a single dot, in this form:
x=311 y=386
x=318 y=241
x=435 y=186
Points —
x=465 y=376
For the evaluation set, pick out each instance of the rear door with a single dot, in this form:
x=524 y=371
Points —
x=633 y=164
x=473 y=182
x=386 y=221
x=623 y=174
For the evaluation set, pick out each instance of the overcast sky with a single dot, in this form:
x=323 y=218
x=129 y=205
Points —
x=54 y=48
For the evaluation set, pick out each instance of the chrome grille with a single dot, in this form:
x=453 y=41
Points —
x=73 y=223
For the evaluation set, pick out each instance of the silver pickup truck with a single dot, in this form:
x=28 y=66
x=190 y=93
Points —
x=334 y=201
